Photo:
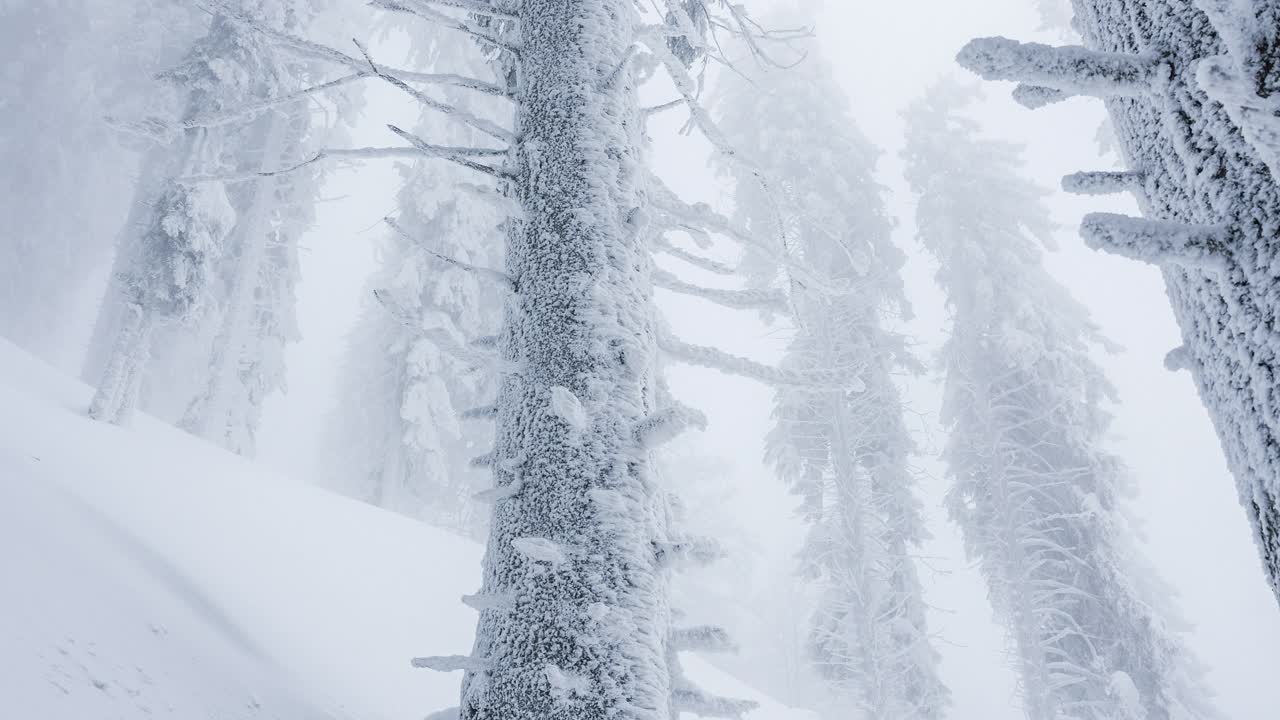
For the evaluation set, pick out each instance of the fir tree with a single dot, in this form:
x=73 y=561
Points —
x=1038 y=498
x=844 y=451
x=1190 y=86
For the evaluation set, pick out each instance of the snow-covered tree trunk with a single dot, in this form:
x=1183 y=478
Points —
x=1037 y=497
x=1190 y=87
x=578 y=545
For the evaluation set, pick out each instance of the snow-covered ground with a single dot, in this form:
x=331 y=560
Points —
x=148 y=574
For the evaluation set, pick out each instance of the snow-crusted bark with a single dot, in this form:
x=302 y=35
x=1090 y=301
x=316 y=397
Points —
x=844 y=451
x=593 y=614
x=1202 y=131
x=1038 y=499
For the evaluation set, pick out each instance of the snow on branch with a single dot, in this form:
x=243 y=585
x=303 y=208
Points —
x=443 y=339
x=699 y=218
x=1157 y=241
x=423 y=9
x=666 y=424
x=1071 y=69
x=687 y=552
x=306 y=48
x=500 y=279
x=486 y=412
x=663 y=245
x=165 y=131
x=761 y=299
x=1034 y=97
x=703 y=638
x=727 y=363
x=477 y=7
x=506 y=205
x=1103 y=182
x=495 y=495
x=690 y=699
x=1177 y=359
x=451 y=663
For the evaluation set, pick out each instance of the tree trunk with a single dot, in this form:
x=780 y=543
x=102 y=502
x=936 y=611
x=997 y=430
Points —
x=210 y=414
x=576 y=548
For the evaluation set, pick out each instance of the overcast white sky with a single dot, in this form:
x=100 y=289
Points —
x=886 y=54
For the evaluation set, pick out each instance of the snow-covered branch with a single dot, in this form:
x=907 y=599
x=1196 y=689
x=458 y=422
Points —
x=1103 y=182
x=1070 y=69
x=667 y=423
x=500 y=279
x=703 y=638
x=762 y=299
x=423 y=9
x=690 y=699
x=1158 y=242
x=450 y=663
x=730 y=364
x=1034 y=97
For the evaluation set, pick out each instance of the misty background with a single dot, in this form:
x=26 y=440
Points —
x=885 y=55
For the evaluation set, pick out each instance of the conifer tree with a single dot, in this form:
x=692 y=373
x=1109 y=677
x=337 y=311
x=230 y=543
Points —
x=844 y=451
x=1191 y=88
x=1037 y=497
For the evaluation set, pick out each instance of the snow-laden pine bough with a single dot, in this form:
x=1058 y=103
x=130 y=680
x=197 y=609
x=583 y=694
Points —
x=1192 y=89
x=574 y=616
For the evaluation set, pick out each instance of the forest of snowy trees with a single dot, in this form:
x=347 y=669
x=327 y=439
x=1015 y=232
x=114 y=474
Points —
x=706 y=366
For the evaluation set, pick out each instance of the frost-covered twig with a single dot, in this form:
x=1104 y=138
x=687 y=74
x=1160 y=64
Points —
x=690 y=699
x=702 y=263
x=717 y=359
x=667 y=423
x=465 y=116
x=450 y=663
x=703 y=638
x=500 y=279
x=752 y=299
x=365 y=153
x=422 y=9
x=475 y=7
x=688 y=551
x=1034 y=97
x=443 y=339
x=1103 y=182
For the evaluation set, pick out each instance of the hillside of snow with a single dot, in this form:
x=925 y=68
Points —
x=148 y=574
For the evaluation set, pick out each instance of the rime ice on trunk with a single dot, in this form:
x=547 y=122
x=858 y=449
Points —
x=1202 y=129
x=597 y=611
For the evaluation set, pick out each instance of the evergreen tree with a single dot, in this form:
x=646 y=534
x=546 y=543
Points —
x=411 y=451
x=844 y=451
x=1191 y=89
x=1037 y=497
x=64 y=67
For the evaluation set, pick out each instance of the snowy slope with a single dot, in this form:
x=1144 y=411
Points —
x=148 y=574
